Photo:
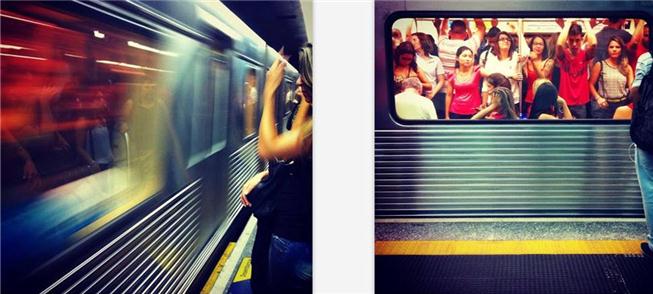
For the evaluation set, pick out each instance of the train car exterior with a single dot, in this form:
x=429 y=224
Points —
x=153 y=111
x=498 y=169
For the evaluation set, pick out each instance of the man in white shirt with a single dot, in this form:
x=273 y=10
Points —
x=411 y=105
x=449 y=43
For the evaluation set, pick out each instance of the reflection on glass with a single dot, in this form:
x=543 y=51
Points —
x=85 y=112
x=590 y=64
x=250 y=102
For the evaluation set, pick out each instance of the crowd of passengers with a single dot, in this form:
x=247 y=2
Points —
x=487 y=75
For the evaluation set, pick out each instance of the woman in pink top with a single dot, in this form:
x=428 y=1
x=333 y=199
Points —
x=463 y=98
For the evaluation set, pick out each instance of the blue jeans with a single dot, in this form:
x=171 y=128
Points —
x=645 y=176
x=290 y=266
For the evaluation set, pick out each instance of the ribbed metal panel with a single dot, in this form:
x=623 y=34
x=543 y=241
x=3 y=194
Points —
x=505 y=170
x=152 y=253
x=243 y=164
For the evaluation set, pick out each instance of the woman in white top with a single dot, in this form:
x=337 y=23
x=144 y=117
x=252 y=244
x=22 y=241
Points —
x=432 y=67
x=504 y=59
x=614 y=76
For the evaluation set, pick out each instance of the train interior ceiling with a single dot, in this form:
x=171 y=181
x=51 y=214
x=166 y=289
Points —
x=124 y=121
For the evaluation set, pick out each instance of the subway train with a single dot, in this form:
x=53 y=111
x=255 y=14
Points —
x=518 y=168
x=128 y=130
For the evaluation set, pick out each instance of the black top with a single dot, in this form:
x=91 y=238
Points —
x=294 y=212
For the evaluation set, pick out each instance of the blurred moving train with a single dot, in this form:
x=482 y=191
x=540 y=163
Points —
x=466 y=168
x=128 y=129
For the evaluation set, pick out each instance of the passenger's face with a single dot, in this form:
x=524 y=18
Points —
x=574 y=42
x=538 y=45
x=614 y=49
x=406 y=59
x=466 y=58
x=504 y=42
x=415 y=41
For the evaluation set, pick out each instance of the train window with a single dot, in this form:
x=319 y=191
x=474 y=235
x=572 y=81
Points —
x=513 y=68
x=203 y=105
x=220 y=78
x=290 y=99
x=85 y=111
x=250 y=103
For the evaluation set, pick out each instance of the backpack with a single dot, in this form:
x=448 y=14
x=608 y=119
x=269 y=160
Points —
x=641 y=125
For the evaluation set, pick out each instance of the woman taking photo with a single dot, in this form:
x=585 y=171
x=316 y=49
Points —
x=463 y=99
x=289 y=230
x=614 y=76
x=405 y=67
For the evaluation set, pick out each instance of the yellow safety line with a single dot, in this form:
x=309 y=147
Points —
x=485 y=247
x=218 y=268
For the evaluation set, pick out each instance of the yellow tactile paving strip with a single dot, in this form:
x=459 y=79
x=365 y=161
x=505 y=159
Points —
x=218 y=268
x=485 y=247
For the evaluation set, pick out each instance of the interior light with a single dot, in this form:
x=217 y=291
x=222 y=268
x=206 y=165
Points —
x=150 y=49
x=98 y=34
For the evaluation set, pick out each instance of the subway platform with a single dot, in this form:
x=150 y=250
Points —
x=512 y=255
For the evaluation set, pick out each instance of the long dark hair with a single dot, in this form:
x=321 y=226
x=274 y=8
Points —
x=434 y=47
x=506 y=101
x=424 y=42
x=511 y=50
x=545 y=52
x=498 y=80
x=306 y=64
x=405 y=48
x=545 y=100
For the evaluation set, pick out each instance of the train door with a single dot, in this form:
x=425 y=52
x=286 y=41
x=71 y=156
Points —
x=208 y=158
x=246 y=96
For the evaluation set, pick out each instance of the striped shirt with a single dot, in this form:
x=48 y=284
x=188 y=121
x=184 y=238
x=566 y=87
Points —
x=447 y=50
x=612 y=83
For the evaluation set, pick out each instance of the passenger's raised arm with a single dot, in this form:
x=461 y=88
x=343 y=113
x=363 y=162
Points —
x=562 y=39
x=273 y=145
x=444 y=27
x=590 y=39
x=480 y=28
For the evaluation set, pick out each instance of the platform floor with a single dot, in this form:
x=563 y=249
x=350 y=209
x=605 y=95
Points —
x=511 y=255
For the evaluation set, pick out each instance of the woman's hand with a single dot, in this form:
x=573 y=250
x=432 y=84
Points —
x=249 y=185
x=602 y=102
x=275 y=74
x=517 y=77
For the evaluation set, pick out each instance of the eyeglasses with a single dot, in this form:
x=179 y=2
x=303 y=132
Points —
x=505 y=39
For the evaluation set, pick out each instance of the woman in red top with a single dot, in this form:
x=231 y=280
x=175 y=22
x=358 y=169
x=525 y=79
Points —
x=463 y=97
x=538 y=66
